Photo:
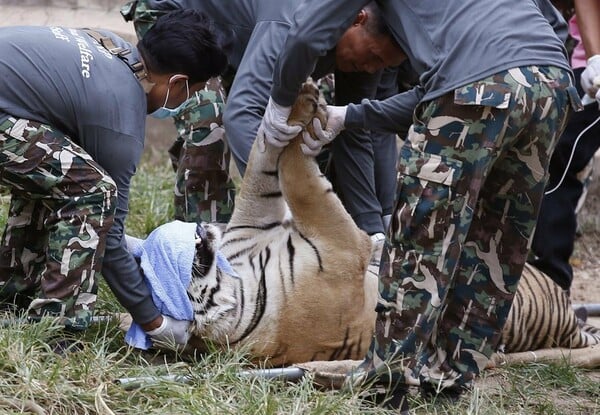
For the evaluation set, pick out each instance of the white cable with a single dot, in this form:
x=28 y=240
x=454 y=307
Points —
x=585 y=130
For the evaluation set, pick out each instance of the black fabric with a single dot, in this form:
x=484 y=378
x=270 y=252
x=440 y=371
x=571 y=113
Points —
x=556 y=229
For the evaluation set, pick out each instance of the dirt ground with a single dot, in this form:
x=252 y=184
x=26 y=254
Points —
x=586 y=258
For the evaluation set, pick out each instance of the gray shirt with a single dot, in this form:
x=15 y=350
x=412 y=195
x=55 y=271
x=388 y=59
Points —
x=64 y=78
x=449 y=43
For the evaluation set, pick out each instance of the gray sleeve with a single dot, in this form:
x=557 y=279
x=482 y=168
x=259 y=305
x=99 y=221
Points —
x=316 y=28
x=170 y=4
x=390 y=115
x=119 y=155
x=555 y=19
x=249 y=92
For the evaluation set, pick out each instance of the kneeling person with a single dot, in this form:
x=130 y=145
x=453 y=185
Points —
x=73 y=105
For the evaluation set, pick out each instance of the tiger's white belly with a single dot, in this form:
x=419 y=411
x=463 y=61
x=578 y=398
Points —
x=296 y=308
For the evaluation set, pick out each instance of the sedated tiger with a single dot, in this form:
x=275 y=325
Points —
x=300 y=286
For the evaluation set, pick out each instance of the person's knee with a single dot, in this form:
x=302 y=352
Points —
x=100 y=198
x=109 y=192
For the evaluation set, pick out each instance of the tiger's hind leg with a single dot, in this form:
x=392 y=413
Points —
x=259 y=202
x=315 y=207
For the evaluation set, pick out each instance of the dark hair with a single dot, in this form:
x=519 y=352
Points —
x=185 y=41
x=376 y=24
x=565 y=7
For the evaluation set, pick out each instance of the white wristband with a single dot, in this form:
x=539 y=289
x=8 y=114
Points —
x=159 y=329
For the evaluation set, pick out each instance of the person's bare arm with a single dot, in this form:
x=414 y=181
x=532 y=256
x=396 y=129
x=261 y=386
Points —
x=588 y=20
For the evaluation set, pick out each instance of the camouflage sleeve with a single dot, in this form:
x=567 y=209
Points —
x=142 y=15
x=201 y=111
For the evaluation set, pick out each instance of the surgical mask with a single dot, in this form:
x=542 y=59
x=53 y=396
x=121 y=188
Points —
x=165 y=112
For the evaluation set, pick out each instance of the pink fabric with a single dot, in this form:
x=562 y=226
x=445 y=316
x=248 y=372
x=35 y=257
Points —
x=578 y=59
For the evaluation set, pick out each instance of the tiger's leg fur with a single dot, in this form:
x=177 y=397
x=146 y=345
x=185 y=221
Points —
x=315 y=207
x=313 y=270
x=334 y=293
x=259 y=202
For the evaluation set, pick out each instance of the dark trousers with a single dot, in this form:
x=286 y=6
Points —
x=557 y=223
x=363 y=163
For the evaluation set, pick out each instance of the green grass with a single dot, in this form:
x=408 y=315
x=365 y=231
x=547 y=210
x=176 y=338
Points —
x=35 y=379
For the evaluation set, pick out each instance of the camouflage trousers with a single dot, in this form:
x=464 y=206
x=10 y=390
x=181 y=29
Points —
x=204 y=190
x=62 y=206
x=471 y=176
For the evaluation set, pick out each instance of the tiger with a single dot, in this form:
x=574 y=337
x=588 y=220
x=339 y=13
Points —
x=300 y=293
x=302 y=283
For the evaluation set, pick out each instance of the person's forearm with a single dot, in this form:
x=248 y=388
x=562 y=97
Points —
x=390 y=115
x=124 y=278
x=249 y=93
x=588 y=21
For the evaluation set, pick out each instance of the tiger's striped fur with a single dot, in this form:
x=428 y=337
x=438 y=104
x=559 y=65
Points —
x=542 y=317
x=304 y=288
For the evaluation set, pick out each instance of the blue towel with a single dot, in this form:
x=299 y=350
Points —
x=166 y=259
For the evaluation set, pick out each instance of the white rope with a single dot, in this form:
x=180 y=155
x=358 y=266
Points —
x=585 y=130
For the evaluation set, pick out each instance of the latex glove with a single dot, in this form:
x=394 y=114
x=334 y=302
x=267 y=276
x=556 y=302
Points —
x=590 y=77
x=171 y=333
x=335 y=124
x=274 y=128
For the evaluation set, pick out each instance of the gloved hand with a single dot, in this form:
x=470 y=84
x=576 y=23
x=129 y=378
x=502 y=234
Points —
x=336 y=116
x=171 y=333
x=274 y=128
x=590 y=77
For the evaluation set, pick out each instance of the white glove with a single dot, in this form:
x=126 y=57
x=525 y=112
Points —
x=335 y=124
x=274 y=128
x=590 y=77
x=171 y=333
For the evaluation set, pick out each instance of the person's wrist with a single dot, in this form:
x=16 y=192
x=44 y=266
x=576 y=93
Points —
x=277 y=106
x=153 y=325
x=592 y=59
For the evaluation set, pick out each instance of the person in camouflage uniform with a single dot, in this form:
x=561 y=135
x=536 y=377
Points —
x=204 y=189
x=200 y=155
x=456 y=248
x=73 y=106
x=53 y=243
x=493 y=98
